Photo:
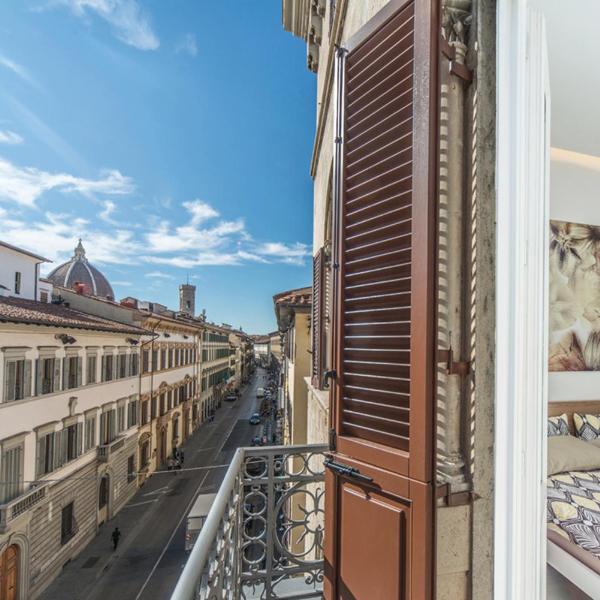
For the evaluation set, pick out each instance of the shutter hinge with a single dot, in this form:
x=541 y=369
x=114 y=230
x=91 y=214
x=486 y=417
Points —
x=338 y=140
x=331 y=374
x=332 y=440
x=462 y=368
x=455 y=67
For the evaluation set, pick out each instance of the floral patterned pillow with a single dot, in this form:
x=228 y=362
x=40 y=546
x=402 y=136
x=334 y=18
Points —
x=587 y=426
x=558 y=425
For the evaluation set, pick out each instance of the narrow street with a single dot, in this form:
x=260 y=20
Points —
x=151 y=553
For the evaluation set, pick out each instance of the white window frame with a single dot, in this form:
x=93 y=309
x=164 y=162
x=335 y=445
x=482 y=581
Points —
x=521 y=299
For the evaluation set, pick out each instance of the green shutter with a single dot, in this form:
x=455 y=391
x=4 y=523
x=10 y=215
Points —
x=79 y=374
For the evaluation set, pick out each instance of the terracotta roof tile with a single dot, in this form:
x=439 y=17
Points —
x=19 y=310
x=299 y=297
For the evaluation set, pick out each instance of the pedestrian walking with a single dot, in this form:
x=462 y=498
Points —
x=181 y=456
x=116 y=536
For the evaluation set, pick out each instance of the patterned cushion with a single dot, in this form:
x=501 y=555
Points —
x=558 y=425
x=587 y=426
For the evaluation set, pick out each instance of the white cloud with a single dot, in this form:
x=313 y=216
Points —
x=19 y=70
x=10 y=137
x=200 y=211
x=159 y=275
x=129 y=22
x=187 y=44
x=108 y=209
x=24 y=185
x=189 y=246
x=294 y=254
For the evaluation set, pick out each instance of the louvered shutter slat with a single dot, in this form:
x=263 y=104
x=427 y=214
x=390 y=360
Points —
x=384 y=242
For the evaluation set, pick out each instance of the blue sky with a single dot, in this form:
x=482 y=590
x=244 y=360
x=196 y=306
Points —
x=173 y=137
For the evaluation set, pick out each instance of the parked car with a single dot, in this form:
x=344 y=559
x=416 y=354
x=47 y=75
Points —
x=255 y=419
x=260 y=392
x=196 y=518
x=231 y=398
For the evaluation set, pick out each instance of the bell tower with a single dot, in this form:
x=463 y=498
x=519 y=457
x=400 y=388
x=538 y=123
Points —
x=187 y=299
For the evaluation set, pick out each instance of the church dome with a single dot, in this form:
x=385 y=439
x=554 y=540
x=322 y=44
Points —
x=78 y=271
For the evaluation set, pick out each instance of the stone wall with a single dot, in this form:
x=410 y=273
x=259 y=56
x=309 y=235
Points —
x=47 y=553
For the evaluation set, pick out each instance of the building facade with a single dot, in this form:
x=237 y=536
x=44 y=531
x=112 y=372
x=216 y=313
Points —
x=216 y=374
x=293 y=312
x=69 y=408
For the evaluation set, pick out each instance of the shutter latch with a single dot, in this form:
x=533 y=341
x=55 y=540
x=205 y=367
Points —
x=462 y=368
x=346 y=470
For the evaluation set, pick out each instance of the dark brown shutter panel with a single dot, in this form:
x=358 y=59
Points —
x=386 y=241
x=318 y=332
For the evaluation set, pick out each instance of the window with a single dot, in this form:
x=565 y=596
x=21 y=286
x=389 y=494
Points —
x=45 y=454
x=131 y=468
x=73 y=441
x=107 y=370
x=163 y=359
x=155 y=360
x=121 y=418
x=132 y=416
x=163 y=408
x=133 y=364
x=71 y=372
x=145 y=453
x=17 y=282
x=145 y=411
x=17 y=379
x=170 y=357
x=11 y=473
x=153 y=408
x=90 y=432
x=67 y=527
x=122 y=365
x=175 y=428
x=145 y=355
x=107 y=426
x=44 y=297
x=48 y=375
x=91 y=366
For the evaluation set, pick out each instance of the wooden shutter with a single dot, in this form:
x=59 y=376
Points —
x=318 y=337
x=379 y=517
x=27 y=380
x=57 y=373
x=10 y=368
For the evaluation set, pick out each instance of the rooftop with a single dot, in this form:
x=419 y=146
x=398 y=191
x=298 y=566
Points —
x=298 y=297
x=22 y=251
x=19 y=310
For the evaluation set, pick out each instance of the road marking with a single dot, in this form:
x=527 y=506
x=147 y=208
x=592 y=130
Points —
x=162 y=490
x=141 y=503
x=183 y=516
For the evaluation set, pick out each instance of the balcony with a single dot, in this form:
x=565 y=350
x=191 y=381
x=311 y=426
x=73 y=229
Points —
x=263 y=537
x=105 y=451
x=19 y=505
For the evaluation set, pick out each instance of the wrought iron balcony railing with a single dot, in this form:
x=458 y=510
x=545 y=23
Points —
x=263 y=537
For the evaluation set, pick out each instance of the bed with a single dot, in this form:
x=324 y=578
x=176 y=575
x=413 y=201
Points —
x=573 y=514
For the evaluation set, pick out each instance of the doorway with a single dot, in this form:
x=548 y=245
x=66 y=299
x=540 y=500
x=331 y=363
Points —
x=9 y=573
x=103 y=498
